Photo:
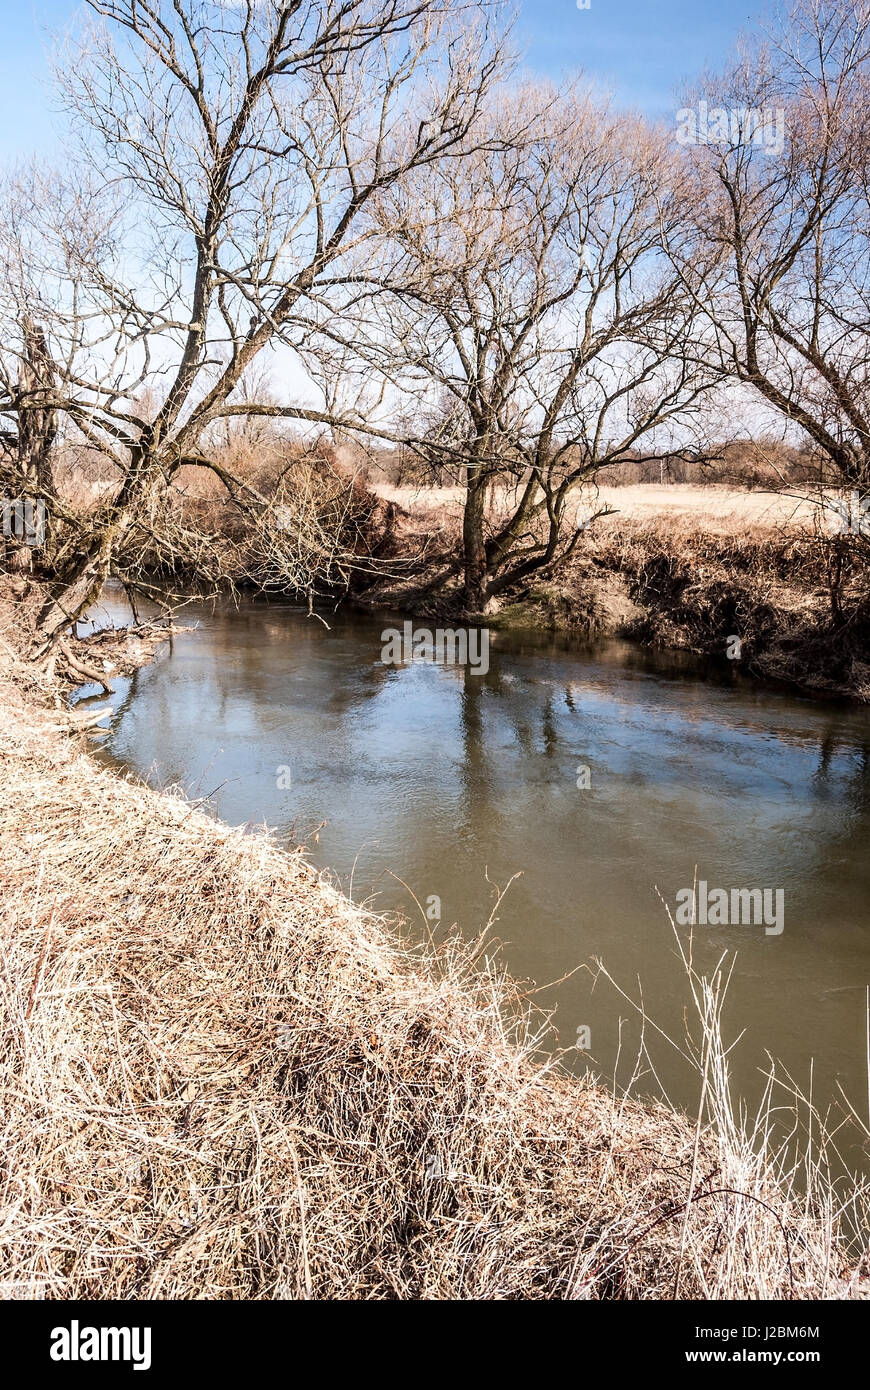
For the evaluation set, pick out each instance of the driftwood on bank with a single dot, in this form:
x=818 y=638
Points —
x=81 y=668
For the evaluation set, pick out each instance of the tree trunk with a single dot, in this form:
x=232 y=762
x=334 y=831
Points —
x=85 y=585
x=37 y=430
x=37 y=425
x=474 y=545
x=75 y=598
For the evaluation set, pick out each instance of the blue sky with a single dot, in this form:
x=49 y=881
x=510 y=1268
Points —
x=642 y=49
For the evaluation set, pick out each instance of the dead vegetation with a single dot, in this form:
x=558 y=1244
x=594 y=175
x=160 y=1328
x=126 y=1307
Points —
x=281 y=517
x=222 y=1080
x=798 y=599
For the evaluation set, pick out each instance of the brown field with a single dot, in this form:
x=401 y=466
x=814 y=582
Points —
x=713 y=508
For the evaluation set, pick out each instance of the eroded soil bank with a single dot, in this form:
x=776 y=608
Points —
x=798 y=604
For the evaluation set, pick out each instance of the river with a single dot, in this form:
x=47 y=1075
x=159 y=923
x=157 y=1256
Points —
x=593 y=782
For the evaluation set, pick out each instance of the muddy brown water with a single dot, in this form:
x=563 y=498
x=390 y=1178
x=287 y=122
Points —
x=425 y=789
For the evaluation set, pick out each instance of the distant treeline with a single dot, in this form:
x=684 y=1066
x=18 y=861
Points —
x=761 y=463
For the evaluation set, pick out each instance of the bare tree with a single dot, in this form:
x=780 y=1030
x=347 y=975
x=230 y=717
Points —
x=232 y=152
x=528 y=288
x=775 y=248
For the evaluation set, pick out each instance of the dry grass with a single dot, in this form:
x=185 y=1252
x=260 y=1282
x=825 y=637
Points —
x=221 y=1080
x=711 y=507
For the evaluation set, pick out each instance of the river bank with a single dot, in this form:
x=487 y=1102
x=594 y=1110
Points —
x=223 y=1080
x=751 y=577
x=759 y=599
x=689 y=580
